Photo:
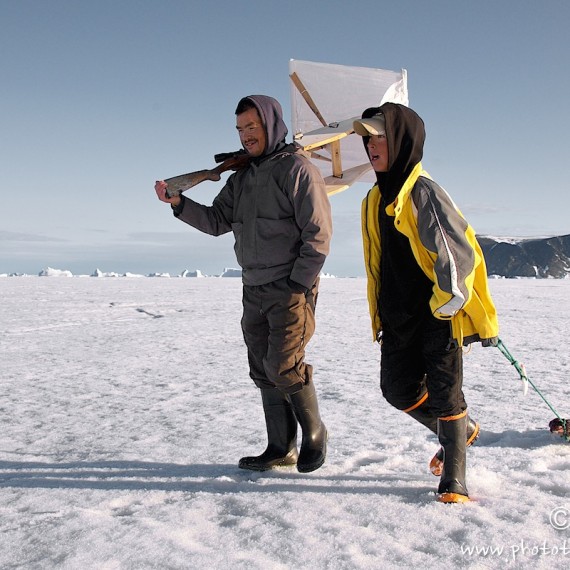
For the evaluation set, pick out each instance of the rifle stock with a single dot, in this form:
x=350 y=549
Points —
x=228 y=161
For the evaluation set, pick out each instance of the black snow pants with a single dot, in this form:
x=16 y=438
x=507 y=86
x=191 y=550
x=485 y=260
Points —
x=427 y=362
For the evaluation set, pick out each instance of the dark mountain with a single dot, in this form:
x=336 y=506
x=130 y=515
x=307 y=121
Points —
x=542 y=257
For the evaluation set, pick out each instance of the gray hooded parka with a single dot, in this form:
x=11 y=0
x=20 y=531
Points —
x=277 y=208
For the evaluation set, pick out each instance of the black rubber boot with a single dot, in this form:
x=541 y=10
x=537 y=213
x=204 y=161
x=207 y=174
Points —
x=281 y=434
x=436 y=463
x=424 y=415
x=314 y=440
x=452 y=436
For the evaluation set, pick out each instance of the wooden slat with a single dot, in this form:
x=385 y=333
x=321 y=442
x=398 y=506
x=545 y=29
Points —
x=334 y=186
x=318 y=156
x=322 y=142
x=336 y=162
x=308 y=99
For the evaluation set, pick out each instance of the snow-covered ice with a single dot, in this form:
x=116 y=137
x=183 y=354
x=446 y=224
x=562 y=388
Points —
x=126 y=405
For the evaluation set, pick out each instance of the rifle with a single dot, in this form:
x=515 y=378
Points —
x=227 y=161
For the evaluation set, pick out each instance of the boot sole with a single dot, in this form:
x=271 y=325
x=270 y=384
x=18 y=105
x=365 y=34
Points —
x=449 y=498
x=258 y=464
x=266 y=467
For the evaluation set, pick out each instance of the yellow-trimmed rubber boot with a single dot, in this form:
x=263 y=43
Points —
x=436 y=463
x=422 y=413
x=452 y=433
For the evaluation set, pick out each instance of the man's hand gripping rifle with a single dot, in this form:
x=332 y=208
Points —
x=226 y=161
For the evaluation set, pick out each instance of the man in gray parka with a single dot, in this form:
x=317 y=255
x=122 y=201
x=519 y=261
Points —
x=279 y=212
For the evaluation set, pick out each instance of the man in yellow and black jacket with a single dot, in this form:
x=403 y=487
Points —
x=427 y=289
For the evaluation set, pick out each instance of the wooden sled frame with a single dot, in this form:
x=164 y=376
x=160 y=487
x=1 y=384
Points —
x=329 y=136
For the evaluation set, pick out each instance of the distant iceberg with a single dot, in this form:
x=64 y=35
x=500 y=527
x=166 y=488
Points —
x=231 y=272
x=195 y=273
x=99 y=273
x=50 y=272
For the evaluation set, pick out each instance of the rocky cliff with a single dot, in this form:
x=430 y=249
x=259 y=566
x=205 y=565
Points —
x=541 y=257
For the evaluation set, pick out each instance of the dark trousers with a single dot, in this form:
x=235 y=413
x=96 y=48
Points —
x=277 y=324
x=426 y=362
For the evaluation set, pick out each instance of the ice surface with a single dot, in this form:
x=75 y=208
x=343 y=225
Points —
x=126 y=405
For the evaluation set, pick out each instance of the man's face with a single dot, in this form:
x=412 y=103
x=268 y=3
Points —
x=251 y=132
x=378 y=152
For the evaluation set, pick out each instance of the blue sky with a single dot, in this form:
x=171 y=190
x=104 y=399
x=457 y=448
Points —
x=100 y=99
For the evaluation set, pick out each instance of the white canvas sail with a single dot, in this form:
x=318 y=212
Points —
x=325 y=99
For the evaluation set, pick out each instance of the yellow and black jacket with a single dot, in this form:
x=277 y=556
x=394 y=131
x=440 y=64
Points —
x=446 y=250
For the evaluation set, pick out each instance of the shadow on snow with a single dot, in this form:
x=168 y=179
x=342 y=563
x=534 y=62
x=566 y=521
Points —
x=228 y=478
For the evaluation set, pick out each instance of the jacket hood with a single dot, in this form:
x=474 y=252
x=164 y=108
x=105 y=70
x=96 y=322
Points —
x=271 y=114
x=405 y=134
